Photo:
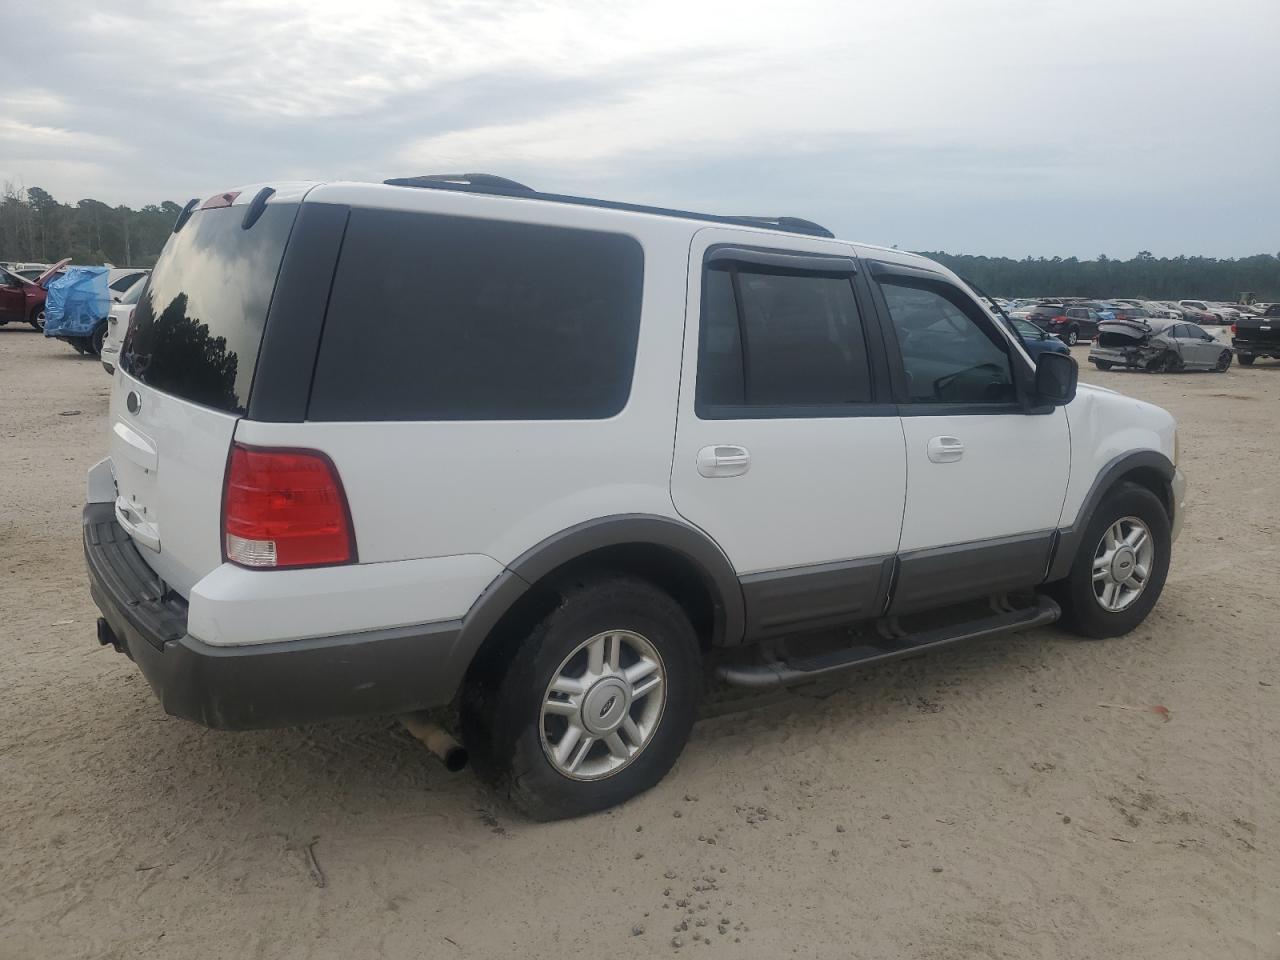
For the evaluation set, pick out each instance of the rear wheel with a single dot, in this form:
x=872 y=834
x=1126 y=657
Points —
x=1246 y=359
x=1121 y=564
x=594 y=706
x=1072 y=337
x=1102 y=364
x=1224 y=361
x=97 y=338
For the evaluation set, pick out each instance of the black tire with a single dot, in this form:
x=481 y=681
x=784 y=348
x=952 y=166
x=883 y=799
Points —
x=1082 y=612
x=36 y=319
x=1246 y=359
x=501 y=705
x=1102 y=364
x=1072 y=337
x=77 y=344
x=97 y=338
x=1224 y=362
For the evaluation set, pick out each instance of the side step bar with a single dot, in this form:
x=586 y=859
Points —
x=782 y=672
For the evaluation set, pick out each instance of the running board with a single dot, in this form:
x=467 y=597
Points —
x=781 y=672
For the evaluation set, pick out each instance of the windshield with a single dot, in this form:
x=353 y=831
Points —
x=198 y=325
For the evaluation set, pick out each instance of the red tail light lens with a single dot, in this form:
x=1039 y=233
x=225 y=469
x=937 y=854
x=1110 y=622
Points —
x=285 y=508
x=1233 y=329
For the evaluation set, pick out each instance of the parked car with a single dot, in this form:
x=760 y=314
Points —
x=121 y=279
x=1198 y=311
x=1161 y=310
x=1036 y=341
x=1254 y=337
x=1069 y=323
x=77 y=308
x=22 y=299
x=574 y=466
x=1158 y=346
x=118 y=323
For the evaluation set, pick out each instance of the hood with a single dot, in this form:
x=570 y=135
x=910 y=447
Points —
x=40 y=280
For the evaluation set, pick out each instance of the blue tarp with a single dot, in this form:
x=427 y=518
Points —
x=77 y=301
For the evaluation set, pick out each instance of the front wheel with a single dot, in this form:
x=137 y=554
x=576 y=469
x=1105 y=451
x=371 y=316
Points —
x=37 y=318
x=1102 y=364
x=1120 y=566
x=594 y=706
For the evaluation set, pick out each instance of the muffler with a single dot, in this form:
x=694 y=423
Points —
x=436 y=739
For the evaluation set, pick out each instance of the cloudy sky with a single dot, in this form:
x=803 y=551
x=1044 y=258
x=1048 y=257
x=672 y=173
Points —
x=976 y=126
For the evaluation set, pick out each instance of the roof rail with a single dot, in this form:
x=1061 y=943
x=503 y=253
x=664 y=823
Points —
x=491 y=184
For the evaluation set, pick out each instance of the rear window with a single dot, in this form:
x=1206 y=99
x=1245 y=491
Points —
x=198 y=325
x=452 y=318
x=1046 y=311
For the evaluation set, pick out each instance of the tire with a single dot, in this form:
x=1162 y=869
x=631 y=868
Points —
x=37 y=318
x=77 y=344
x=1224 y=362
x=1102 y=364
x=1072 y=337
x=97 y=338
x=1082 y=597
x=1246 y=359
x=514 y=742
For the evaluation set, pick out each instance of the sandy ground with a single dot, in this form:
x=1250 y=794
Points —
x=977 y=802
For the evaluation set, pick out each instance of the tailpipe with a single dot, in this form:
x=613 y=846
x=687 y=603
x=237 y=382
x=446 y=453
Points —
x=436 y=739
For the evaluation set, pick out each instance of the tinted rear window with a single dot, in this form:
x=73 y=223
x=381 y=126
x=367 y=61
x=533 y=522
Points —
x=198 y=325
x=1047 y=311
x=453 y=318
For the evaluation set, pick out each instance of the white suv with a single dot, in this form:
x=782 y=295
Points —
x=384 y=447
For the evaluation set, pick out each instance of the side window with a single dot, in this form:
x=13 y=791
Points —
x=948 y=354
x=435 y=317
x=1195 y=333
x=779 y=339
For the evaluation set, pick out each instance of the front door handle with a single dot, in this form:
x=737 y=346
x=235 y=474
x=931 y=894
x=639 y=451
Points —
x=945 y=449
x=723 y=460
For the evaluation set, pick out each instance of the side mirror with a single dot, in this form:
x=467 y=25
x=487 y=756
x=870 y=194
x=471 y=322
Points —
x=1056 y=378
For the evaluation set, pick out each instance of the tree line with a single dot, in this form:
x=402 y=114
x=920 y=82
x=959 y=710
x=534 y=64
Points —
x=36 y=227
x=1144 y=276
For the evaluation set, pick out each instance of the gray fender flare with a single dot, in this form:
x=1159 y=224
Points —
x=1069 y=538
x=718 y=575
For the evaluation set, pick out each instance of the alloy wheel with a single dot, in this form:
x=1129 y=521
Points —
x=603 y=705
x=1122 y=564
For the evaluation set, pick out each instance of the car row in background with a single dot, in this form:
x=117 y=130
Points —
x=22 y=297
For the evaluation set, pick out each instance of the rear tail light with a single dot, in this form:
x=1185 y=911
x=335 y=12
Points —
x=1233 y=329
x=285 y=508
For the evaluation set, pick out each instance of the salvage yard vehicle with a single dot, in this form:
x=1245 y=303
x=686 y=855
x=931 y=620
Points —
x=1036 y=341
x=77 y=308
x=1070 y=324
x=118 y=323
x=22 y=298
x=596 y=453
x=1254 y=337
x=1158 y=346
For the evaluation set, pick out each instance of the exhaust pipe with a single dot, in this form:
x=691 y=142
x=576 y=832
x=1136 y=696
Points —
x=436 y=739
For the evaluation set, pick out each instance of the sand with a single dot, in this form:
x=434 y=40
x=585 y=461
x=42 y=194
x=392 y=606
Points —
x=976 y=802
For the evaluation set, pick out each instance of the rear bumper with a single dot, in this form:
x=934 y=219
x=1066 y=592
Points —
x=1258 y=348
x=265 y=684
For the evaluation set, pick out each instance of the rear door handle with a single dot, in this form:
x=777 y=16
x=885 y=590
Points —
x=945 y=449
x=723 y=460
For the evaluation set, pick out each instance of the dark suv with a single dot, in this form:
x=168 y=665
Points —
x=1068 y=323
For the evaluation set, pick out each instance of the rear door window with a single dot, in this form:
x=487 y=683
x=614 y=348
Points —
x=452 y=318
x=198 y=326
x=789 y=341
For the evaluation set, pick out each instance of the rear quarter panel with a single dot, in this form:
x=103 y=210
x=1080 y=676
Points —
x=421 y=489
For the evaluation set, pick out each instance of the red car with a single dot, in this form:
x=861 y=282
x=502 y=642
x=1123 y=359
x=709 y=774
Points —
x=22 y=299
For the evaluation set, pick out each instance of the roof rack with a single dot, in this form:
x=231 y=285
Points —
x=501 y=186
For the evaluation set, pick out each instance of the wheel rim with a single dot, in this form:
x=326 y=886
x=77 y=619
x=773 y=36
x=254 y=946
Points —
x=1224 y=360
x=1072 y=338
x=40 y=320
x=1122 y=564
x=603 y=705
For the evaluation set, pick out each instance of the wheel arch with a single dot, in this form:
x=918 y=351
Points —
x=676 y=556
x=1150 y=469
